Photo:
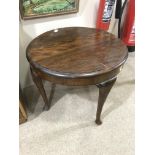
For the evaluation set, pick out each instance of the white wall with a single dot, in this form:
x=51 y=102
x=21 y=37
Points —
x=31 y=28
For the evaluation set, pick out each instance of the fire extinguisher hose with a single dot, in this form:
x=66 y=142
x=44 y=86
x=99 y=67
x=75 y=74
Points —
x=118 y=9
x=119 y=16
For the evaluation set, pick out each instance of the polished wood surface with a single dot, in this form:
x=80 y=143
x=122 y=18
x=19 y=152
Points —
x=77 y=56
x=76 y=52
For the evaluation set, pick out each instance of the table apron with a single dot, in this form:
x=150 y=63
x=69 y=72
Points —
x=80 y=81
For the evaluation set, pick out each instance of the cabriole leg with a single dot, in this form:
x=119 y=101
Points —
x=104 y=89
x=38 y=81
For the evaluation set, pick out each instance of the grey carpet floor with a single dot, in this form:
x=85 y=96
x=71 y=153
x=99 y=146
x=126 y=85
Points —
x=68 y=128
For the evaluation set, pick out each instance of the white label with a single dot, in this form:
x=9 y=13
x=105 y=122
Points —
x=108 y=10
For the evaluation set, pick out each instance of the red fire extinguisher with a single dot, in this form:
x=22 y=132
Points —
x=104 y=14
x=126 y=16
x=126 y=26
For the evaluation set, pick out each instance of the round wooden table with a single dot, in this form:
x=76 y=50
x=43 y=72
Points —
x=77 y=56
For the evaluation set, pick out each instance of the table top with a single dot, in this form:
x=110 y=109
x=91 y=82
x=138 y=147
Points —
x=76 y=52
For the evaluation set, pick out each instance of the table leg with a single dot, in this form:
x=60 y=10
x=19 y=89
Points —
x=104 y=89
x=38 y=81
x=52 y=93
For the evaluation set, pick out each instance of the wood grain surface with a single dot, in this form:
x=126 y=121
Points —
x=75 y=52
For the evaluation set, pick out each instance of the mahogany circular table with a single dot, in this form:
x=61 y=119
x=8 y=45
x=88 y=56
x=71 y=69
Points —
x=77 y=56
